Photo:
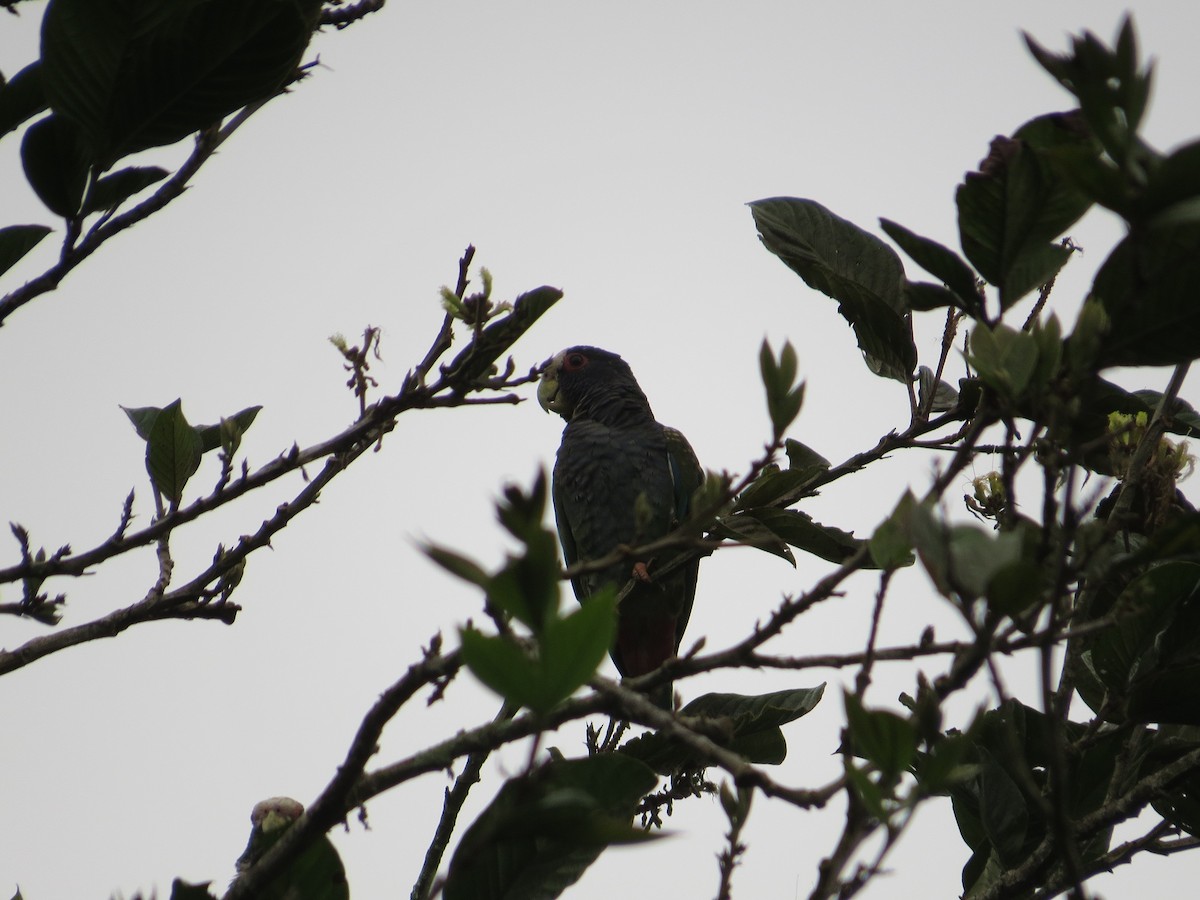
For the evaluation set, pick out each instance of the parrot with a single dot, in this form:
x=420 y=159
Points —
x=621 y=478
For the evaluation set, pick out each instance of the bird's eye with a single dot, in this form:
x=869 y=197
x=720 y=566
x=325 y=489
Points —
x=574 y=362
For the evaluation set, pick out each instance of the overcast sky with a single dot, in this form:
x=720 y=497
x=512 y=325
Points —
x=607 y=149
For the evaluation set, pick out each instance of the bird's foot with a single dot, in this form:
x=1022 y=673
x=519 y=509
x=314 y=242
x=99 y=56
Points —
x=641 y=573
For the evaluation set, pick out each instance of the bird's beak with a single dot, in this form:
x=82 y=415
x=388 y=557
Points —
x=548 y=392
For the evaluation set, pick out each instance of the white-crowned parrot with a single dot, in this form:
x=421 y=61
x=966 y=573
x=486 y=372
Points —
x=621 y=479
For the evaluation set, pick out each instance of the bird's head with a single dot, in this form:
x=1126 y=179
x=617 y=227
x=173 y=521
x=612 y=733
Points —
x=584 y=379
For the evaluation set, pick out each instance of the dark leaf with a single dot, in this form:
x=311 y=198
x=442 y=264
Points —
x=745 y=529
x=172 y=452
x=16 y=241
x=924 y=296
x=774 y=486
x=939 y=261
x=56 y=164
x=142 y=418
x=21 y=98
x=1147 y=287
x=572 y=648
x=799 y=530
x=804 y=458
x=1002 y=810
x=146 y=77
x=1017 y=202
x=210 y=435
x=457 y=564
x=504 y=667
x=850 y=265
x=749 y=726
x=112 y=190
x=542 y=831
x=478 y=357
x=885 y=739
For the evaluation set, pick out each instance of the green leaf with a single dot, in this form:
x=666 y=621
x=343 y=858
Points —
x=504 y=667
x=527 y=588
x=210 y=435
x=1002 y=809
x=784 y=399
x=1147 y=288
x=890 y=546
x=542 y=831
x=112 y=190
x=746 y=529
x=1017 y=202
x=775 y=486
x=172 y=452
x=1149 y=603
x=938 y=261
x=799 y=530
x=924 y=296
x=804 y=458
x=748 y=725
x=872 y=795
x=22 y=98
x=885 y=739
x=457 y=564
x=56 y=164
x=1004 y=358
x=142 y=418
x=16 y=241
x=850 y=265
x=1171 y=191
x=572 y=648
x=147 y=77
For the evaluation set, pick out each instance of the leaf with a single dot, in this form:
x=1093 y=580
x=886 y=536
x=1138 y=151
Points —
x=1004 y=358
x=147 y=77
x=938 y=261
x=890 y=546
x=783 y=398
x=112 y=190
x=804 y=458
x=746 y=529
x=1002 y=810
x=748 y=725
x=945 y=398
x=457 y=564
x=885 y=739
x=1149 y=603
x=210 y=435
x=477 y=358
x=924 y=296
x=504 y=667
x=572 y=648
x=1017 y=202
x=56 y=164
x=142 y=418
x=22 y=98
x=799 y=530
x=527 y=588
x=172 y=452
x=16 y=241
x=1147 y=288
x=541 y=831
x=855 y=268
x=773 y=486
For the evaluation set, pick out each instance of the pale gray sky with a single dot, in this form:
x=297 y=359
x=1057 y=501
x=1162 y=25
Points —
x=608 y=150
